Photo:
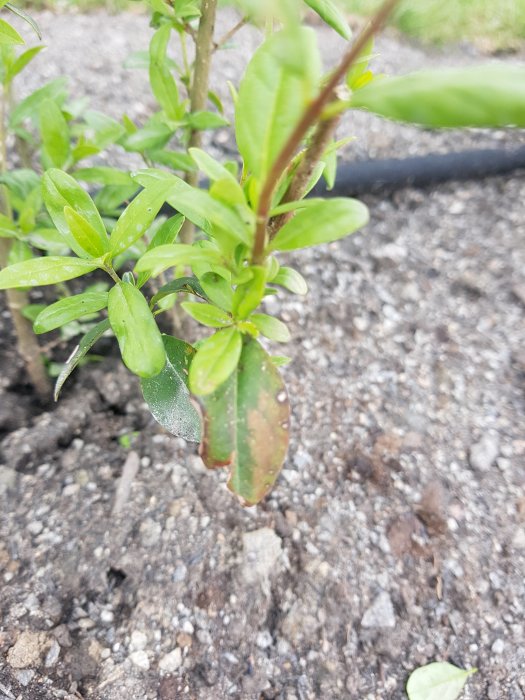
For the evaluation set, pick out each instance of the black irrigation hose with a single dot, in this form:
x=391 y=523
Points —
x=380 y=176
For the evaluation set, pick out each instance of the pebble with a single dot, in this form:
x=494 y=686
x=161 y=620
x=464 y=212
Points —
x=172 y=661
x=518 y=540
x=150 y=532
x=264 y=639
x=483 y=453
x=35 y=527
x=140 y=659
x=498 y=646
x=380 y=614
x=53 y=654
x=28 y=649
x=138 y=640
x=262 y=553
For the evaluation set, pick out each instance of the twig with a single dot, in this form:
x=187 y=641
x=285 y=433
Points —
x=229 y=34
x=310 y=117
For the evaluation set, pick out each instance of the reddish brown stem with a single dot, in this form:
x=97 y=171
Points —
x=311 y=115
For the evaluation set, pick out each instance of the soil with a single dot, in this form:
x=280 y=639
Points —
x=396 y=534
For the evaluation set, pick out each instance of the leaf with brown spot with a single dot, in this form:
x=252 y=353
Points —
x=246 y=424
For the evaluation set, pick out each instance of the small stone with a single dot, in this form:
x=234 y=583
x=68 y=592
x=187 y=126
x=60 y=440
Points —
x=390 y=254
x=140 y=659
x=53 y=654
x=264 y=639
x=483 y=453
x=172 y=661
x=361 y=324
x=518 y=540
x=138 y=640
x=380 y=614
x=35 y=527
x=262 y=555
x=180 y=572
x=150 y=532
x=107 y=617
x=498 y=646
x=28 y=649
x=7 y=479
x=188 y=627
x=493 y=691
x=184 y=640
x=24 y=677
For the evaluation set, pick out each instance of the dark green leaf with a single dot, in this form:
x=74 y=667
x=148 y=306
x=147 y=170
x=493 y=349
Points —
x=483 y=96
x=167 y=393
x=246 y=424
x=216 y=359
x=187 y=285
x=69 y=309
x=136 y=330
x=41 y=271
x=80 y=352
x=322 y=222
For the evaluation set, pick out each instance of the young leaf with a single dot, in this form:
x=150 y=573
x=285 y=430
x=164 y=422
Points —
x=482 y=96
x=332 y=15
x=28 y=108
x=218 y=290
x=21 y=62
x=55 y=135
x=80 y=352
x=273 y=95
x=246 y=424
x=168 y=232
x=248 y=296
x=209 y=166
x=187 y=285
x=87 y=237
x=105 y=130
x=162 y=83
x=167 y=393
x=165 y=256
x=60 y=190
x=150 y=137
x=69 y=309
x=324 y=222
x=206 y=120
x=207 y=314
x=271 y=327
x=138 y=216
x=41 y=271
x=9 y=35
x=292 y=280
x=136 y=330
x=216 y=359
x=437 y=681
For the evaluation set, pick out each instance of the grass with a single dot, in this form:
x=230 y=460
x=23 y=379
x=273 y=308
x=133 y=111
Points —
x=492 y=24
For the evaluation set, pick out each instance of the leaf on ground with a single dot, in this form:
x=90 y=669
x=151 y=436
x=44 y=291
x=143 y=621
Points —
x=437 y=681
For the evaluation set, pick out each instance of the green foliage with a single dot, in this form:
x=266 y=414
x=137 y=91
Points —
x=244 y=217
x=437 y=681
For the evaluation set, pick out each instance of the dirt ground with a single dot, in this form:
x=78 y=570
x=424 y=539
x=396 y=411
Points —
x=396 y=534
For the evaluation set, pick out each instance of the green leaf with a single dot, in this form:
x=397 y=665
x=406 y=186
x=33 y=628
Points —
x=21 y=182
x=27 y=18
x=218 y=290
x=273 y=95
x=249 y=295
x=28 y=108
x=105 y=130
x=69 y=309
x=9 y=35
x=209 y=166
x=292 y=280
x=246 y=424
x=207 y=314
x=136 y=330
x=271 y=327
x=168 y=232
x=48 y=239
x=216 y=359
x=483 y=96
x=41 y=271
x=55 y=135
x=167 y=393
x=150 y=137
x=437 y=681
x=332 y=15
x=19 y=252
x=103 y=175
x=60 y=190
x=22 y=61
x=206 y=120
x=324 y=222
x=138 y=216
x=88 y=238
x=165 y=256
x=80 y=352
x=186 y=285
x=162 y=83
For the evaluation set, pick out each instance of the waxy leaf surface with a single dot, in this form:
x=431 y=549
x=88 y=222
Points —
x=69 y=309
x=41 y=271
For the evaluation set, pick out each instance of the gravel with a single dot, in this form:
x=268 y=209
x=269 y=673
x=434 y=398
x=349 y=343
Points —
x=386 y=546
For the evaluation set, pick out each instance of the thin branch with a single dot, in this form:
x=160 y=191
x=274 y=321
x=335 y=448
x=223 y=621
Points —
x=229 y=34
x=310 y=117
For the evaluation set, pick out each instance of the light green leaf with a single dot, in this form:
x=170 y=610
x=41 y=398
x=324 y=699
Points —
x=483 y=96
x=138 y=335
x=271 y=327
x=103 y=175
x=105 y=130
x=55 y=135
x=437 y=681
x=9 y=35
x=150 y=137
x=28 y=108
x=292 y=280
x=41 y=271
x=324 y=222
x=249 y=295
x=216 y=359
x=88 y=238
x=217 y=289
x=332 y=15
x=167 y=393
x=69 y=309
x=165 y=256
x=207 y=314
x=80 y=352
x=162 y=83
x=60 y=190
x=23 y=15
x=138 y=216
x=273 y=95
x=206 y=120
x=246 y=424
x=209 y=166
x=22 y=61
